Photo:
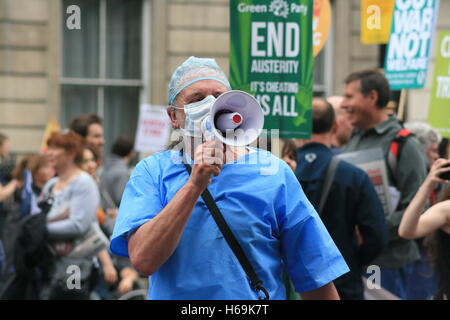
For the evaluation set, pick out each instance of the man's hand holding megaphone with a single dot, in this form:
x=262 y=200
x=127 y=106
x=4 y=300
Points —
x=228 y=123
x=208 y=161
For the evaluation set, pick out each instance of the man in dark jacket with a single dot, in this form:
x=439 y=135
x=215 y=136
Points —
x=352 y=213
x=366 y=97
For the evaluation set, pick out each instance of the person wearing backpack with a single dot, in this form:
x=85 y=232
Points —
x=24 y=234
x=345 y=199
x=366 y=96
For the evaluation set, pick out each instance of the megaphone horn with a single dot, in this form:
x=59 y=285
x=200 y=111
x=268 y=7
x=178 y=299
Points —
x=227 y=120
x=237 y=118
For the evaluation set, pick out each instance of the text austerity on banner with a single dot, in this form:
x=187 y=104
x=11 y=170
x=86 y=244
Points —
x=271 y=57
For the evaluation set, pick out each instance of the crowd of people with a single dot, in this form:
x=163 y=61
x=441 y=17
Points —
x=413 y=264
x=78 y=189
x=312 y=227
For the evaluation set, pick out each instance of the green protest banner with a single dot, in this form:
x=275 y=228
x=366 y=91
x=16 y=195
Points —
x=271 y=57
x=407 y=55
x=439 y=113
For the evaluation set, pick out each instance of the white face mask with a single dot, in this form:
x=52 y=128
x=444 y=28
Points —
x=195 y=113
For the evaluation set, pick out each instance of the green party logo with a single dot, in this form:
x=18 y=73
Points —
x=271 y=57
x=279 y=8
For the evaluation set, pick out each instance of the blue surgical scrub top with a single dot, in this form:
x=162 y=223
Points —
x=265 y=207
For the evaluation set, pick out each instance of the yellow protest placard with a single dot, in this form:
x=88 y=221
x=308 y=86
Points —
x=321 y=24
x=376 y=19
x=52 y=126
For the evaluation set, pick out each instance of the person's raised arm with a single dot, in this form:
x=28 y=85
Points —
x=154 y=242
x=414 y=224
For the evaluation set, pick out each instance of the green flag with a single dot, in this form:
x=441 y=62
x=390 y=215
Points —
x=439 y=114
x=271 y=57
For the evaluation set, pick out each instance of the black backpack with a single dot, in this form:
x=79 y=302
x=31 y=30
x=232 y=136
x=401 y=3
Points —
x=394 y=152
x=26 y=248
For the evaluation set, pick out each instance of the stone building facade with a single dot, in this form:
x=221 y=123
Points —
x=36 y=54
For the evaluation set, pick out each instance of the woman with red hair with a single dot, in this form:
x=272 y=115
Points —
x=74 y=201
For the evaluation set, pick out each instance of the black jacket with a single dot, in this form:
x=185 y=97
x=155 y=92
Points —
x=352 y=201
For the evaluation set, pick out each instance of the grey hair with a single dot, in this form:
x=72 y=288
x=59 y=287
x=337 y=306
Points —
x=176 y=139
x=426 y=134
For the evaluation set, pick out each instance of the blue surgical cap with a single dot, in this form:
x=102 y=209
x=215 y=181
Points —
x=192 y=70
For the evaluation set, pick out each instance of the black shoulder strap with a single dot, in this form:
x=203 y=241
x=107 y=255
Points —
x=329 y=176
x=255 y=282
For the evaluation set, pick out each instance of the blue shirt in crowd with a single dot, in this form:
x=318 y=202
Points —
x=352 y=201
x=265 y=207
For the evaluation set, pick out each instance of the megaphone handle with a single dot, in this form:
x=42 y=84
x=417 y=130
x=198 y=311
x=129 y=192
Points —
x=223 y=159
x=224 y=152
x=208 y=130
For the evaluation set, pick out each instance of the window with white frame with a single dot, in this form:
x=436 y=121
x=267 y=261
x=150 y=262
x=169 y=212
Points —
x=102 y=70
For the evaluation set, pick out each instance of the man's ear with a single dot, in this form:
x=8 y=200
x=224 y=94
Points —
x=373 y=96
x=334 y=128
x=173 y=118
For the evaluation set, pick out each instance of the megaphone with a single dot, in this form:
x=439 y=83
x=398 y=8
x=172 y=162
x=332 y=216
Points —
x=236 y=119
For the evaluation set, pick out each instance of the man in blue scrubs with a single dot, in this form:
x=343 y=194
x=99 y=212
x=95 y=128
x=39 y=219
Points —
x=168 y=232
